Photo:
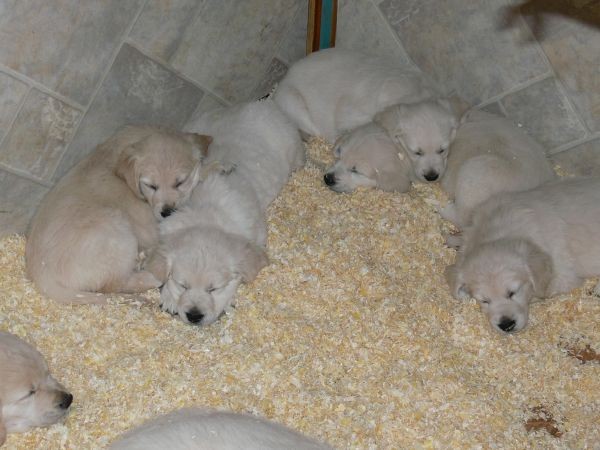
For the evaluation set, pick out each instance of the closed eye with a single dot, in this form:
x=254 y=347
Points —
x=181 y=284
x=441 y=150
x=353 y=170
x=484 y=301
x=154 y=187
x=510 y=294
x=179 y=183
x=29 y=394
x=419 y=153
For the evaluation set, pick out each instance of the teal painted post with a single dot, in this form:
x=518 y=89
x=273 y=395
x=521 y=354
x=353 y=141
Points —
x=326 y=24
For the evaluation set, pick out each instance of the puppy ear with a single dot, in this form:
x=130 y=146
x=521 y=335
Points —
x=390 y=119
x=127 y=170
x=252 y=261
x=159 y=265
x=2 y=427
x=200 y=142
x=539 y=266
x=455 y=280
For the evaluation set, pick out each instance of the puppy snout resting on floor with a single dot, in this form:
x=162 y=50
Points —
x=89 y=229
x=525 y=245
x=334 y=90
x=199 y=429
x=29 y=395
x=218 y=240
x=490 y=155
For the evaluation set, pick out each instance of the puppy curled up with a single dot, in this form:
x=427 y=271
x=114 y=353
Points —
x=490 y=155
x=89 y=229
x=334 y=90
x=29 y=395
x=200 y=429
x=218 y=240
x=528 y=245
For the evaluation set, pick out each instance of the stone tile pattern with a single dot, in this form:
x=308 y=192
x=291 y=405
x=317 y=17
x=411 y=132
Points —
x=72 y=73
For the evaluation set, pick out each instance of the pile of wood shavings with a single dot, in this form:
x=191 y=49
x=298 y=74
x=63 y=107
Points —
x=349 y=335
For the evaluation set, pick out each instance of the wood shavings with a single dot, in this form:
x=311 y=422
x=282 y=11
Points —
x=349 y=335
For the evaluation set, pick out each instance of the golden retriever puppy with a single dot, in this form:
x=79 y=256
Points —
x=89 y=229
x=424 y=132
x=201 y=429
x=218 y=240
x=335 y=90
x=29 y=395
x=536 y=243
x=366 y=156
x=490 y=155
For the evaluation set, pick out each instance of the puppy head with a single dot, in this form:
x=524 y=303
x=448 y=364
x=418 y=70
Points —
x=424 y=131
x=29 y=395
x=503 y=276
x=204 y=268
x=163 y=168
x=366 y=156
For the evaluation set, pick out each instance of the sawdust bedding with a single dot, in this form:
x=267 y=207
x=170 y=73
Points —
x=349 y=335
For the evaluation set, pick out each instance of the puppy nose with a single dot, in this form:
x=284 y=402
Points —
x=65 y=401
x=431 y=176
x=194 y=315
x=329 y=179
x=167 y=211
x=507 y=324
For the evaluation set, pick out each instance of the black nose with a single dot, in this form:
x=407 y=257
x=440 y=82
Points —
x=431 y=176
x=65 y=401
x=507 y=324
x=329 y=179
x=194 y=315
x=167 y=211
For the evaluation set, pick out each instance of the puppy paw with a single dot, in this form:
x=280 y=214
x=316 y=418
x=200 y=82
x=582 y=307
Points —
x=454 y=241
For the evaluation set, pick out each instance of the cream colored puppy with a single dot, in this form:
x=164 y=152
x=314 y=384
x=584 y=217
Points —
x=199 y=429
x=29 y=395
x=335 y=90
x=366 y=156
x=490 y=155
x=424 y=131
x=218 y=241
x=537 y=243
x=89 y=229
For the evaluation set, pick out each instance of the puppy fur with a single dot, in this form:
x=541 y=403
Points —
x=89 y=229
x=200 y=429
x=424 y=131
x=29 y=395
x=490 y=155
x=218 y=241
x=366 y=156
x=525 y=245
x=335 y=90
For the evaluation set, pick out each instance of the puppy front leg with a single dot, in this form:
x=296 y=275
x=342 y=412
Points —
x=140 y=281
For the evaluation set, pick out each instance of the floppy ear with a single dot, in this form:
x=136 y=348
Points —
x=252 y=261
x=200 y=142
x=390 y=119
x=126 y=170
x=2 y=427
x=159 y=265
x=539 y=265
x=458 y=288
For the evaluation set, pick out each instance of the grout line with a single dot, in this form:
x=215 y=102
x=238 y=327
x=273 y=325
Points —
x=25 y=175
x=14 y=119
x=569 y=145
x=516 y=88
x=40 y=87
x=170 y=68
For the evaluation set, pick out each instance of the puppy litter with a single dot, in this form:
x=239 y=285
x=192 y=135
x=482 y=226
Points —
x=349 y=335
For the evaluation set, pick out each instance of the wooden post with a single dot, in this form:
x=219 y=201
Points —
x=322 y=24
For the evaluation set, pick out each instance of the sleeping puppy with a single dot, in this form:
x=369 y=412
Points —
x=218 y=240
x=366 y=156
x=537 y=243
x=334 y=90
x=29 y=395
x=490 y=155
x=424 y=131
x=200 y=429
x=90 y=228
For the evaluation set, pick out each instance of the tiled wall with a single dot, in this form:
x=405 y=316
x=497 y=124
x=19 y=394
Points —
x=550 y=86
x=73 y=71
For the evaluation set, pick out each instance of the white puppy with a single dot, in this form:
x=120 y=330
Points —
x=334 y=90
x=536 y=243
x=29 y=395
x=218 y=240
x=199 y=429
x=89 y=229
x=490 y=155
x=366 y=156
x=424 y=131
